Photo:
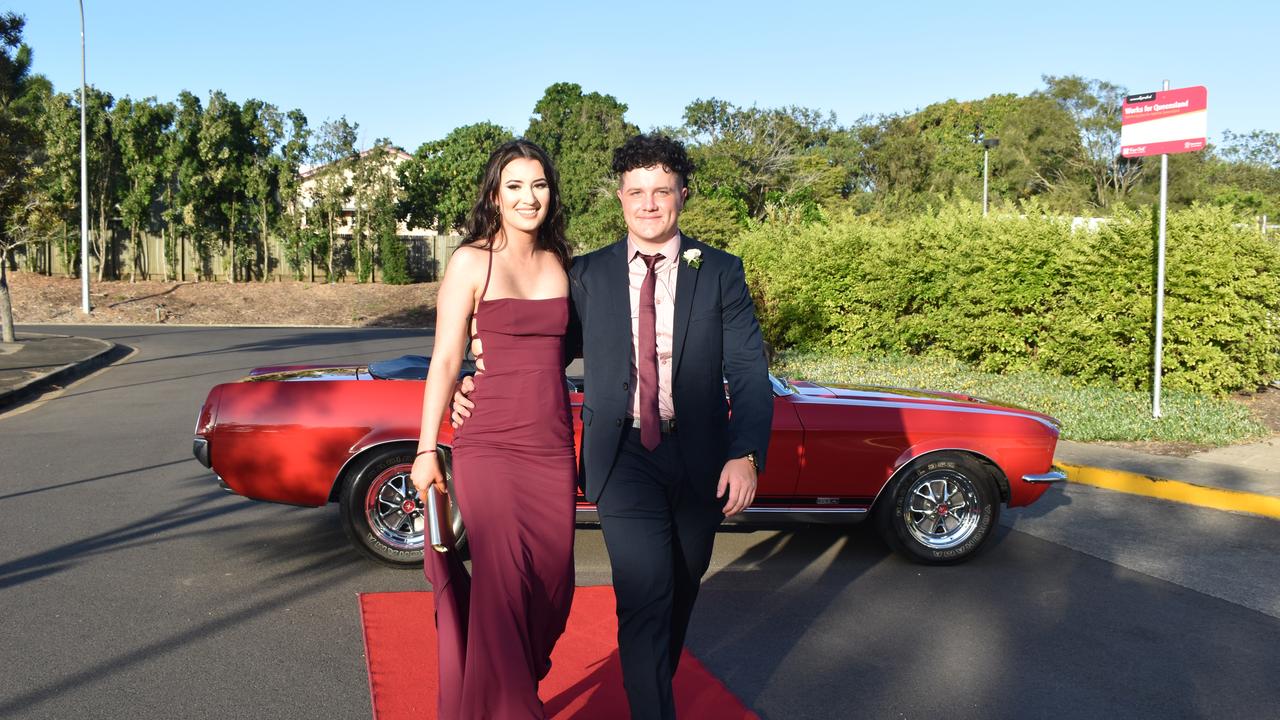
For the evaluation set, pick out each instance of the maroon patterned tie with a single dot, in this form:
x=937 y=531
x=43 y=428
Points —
x=647 y=357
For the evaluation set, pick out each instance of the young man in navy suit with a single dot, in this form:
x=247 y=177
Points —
x=663 y=322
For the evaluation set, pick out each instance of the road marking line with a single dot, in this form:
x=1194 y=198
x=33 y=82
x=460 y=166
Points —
x=1173 y=490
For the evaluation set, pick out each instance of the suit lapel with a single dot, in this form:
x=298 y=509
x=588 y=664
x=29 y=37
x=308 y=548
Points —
x=686 y=283
x=617 y=294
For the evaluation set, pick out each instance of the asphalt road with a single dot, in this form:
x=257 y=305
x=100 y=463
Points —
x=133 y=587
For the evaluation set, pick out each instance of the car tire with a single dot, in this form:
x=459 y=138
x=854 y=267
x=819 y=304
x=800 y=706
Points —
x=919 y=517
x=378 y=504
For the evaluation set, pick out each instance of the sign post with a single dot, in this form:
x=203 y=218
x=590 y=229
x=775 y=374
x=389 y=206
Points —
x=1160 y=123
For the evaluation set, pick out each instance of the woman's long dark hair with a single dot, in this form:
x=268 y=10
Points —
x=485 y=220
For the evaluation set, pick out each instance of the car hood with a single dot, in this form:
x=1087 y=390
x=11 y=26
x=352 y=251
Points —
x=910 y=396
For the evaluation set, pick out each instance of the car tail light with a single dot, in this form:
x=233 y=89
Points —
x=208 y=412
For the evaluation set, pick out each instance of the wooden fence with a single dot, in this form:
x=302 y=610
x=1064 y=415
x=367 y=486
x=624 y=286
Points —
x=428 y=256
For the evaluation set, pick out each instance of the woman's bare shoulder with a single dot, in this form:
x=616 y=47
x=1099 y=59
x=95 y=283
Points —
x=466 y=267
x=471 y=252
x=468 y=258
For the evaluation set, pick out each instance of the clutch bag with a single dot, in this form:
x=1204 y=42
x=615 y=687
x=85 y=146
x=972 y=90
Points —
x=435 y=523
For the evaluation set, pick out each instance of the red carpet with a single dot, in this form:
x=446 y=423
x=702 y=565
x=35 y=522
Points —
x=586 y=677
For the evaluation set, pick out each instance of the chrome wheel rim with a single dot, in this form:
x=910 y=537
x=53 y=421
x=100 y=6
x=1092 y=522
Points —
x=943 y=509
x=391 y=505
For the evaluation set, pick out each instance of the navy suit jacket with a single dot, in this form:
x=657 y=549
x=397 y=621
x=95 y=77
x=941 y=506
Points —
x=716 y=340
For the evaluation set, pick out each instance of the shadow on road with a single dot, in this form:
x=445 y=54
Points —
x=96 y=478
x=301 y=555
x=820 y=622
x=757 y=610
x=144 y=531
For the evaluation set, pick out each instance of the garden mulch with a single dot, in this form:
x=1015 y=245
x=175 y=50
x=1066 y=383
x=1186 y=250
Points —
x=39 y=299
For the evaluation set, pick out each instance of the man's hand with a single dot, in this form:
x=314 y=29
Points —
x=738 y=483
x=462 y=405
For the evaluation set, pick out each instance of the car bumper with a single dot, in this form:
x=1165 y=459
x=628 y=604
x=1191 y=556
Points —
x=1053 y=476
x=200 y=448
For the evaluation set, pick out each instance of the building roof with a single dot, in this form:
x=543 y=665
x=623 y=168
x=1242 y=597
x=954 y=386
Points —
x=397 y=154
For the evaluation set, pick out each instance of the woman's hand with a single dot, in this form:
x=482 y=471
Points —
x=427 y=472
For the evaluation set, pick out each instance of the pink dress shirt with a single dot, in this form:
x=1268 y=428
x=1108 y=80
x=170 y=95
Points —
x=664 y=298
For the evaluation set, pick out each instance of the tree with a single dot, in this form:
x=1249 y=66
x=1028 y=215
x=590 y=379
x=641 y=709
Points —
x=106 y=178
x=377 y=196
x=41 y=218
x=580 y=131
x=602 y=223
x=264 y=131
x=1038 y=143
x=48 y=212
x=1095 y=107
x=759 y=157
x=441 y=179
x=187 y=191
x=294 y=150
x=714 y=219
x=1245 y=172
x=336 y=154
x=1260 y=148
x=894 y=164
x=140 y=127
x=223 y=155
x=16 y=148
x=908 y=162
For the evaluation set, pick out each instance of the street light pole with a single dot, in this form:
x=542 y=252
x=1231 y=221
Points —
x=84 y=181
x=987 y=144
x=985 y=153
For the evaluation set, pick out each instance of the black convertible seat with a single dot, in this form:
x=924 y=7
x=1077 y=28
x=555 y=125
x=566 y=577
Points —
x=414 y=367
x=405 y=367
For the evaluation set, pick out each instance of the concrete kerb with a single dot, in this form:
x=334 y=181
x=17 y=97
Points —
x=1173 y=490
x=59 y=374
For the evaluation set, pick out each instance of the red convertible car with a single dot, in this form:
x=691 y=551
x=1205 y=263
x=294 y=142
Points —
x=931 y=469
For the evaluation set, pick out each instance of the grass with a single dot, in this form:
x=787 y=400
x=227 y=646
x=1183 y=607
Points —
x=1087 y=413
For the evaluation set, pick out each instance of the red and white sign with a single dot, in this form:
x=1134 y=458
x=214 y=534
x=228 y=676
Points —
x=1164 y=122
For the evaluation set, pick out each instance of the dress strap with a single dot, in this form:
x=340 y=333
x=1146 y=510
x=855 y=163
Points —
x=487 y=274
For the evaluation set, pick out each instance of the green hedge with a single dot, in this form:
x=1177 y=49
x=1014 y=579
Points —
x=1014 y=292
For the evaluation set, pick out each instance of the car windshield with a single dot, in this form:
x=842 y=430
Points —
x=781 y=386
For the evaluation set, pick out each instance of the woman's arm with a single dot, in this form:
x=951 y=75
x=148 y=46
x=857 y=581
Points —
x=454 y=304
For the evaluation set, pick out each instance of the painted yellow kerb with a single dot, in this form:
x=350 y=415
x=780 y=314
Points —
x=1173 y=490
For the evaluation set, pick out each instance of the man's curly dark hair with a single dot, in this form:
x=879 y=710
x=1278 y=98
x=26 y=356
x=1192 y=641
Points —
x=648 y=150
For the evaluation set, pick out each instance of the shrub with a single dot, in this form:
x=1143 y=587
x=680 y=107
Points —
x=1007 y=293
x=395 y=260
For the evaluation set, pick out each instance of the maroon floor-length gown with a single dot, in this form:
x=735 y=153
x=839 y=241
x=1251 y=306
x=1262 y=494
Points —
x=514 y=478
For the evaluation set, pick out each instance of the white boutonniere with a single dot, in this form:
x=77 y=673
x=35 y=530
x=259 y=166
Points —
x=693 y=256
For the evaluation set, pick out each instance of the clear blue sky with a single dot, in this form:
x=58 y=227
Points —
x=412 y=71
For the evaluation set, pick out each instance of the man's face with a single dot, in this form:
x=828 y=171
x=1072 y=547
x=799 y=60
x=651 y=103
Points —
x=652 y=199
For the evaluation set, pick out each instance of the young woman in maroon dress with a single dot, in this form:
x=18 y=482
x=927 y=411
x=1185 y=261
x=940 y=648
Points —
x=505 y=289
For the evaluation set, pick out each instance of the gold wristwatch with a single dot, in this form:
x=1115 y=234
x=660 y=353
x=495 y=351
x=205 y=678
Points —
x=752 y=457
